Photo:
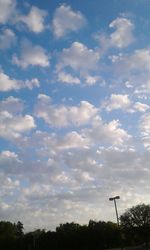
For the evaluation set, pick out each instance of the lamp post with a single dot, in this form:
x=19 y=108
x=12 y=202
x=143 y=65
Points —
x=114 y=199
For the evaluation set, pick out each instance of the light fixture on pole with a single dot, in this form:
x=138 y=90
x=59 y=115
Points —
x=114 y=199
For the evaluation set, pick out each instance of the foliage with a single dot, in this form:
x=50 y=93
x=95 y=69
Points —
x=136 y=223
x=10 y=234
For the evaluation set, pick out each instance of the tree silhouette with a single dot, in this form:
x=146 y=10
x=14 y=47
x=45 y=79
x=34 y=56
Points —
x=136 y=222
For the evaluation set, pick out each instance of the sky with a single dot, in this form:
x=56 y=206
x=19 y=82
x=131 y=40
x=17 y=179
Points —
x=75 y=109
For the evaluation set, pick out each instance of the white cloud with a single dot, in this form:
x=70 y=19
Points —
x=78 y=178
x=68 y=141
x=62 y=116
x=12 y=127
x=141 y=107
x=33 y=55
x=7 y=39
x=30 y=84
x=139 y=60
x=118 y=101
x=8 y=84
x=12 y=105
x=144 y=126
x=123 y=102
x=49 y=144
x=121 y=37
x=134 y=68
x=66 y=20
x=91 y=80
x=109 y=133
x=79 y=58
x=8 y=156
x=9 y=163
x=8 y=184
x=7 y=9
x=72 y=140
x=67 y=78
x=34 y=20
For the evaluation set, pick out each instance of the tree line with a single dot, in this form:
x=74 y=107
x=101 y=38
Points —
x=134 y=229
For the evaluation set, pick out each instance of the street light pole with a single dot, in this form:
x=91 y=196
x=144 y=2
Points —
x=114 y=199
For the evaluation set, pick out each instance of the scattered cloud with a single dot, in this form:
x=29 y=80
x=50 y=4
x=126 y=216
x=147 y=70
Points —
x=11 y=127
x=66 y=20
x=61 y=115
x=30 y=84
x=144 y=126
x=34 y=20
x=123 y=35
x=134 y=68
x=123 y=102
x=9 y=161
x=79 y=59
x=121 y=38
x=12 y=105
x=91 y=80
x=7 y=39
x=7 y=9
x=33 y=55
x=141 y=107
x=8 y=84
x=72 y=140
x=107 y=133
x=118 y=101
x=67 y=78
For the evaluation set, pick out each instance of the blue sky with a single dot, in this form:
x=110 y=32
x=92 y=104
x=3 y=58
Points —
x=75 y=109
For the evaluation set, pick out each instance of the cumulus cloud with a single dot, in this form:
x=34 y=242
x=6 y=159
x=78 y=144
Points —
x=12 y=105
x=61 y=115
x=141 y=107
x=107 y=133
x=9 y=163
x=66 y=20
x=7 y=9
x=121 y=37
x=91 y=80
x=72 y=140
x=34 y=20
x=118 y=101
x=79 y=58
x=12 y=127
x=7 y=155
x=7 y=39
x=134 y=68
x=33 y=55
x=8 y=84
x=144 y=126
x=138 y=60
x=8 y=184
x=30 y=84
x=67 y=78
x=123 y=102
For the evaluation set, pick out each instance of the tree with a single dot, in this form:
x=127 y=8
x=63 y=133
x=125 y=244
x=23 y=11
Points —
x=19 y=228
x=7 y=235
x=136 y=221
